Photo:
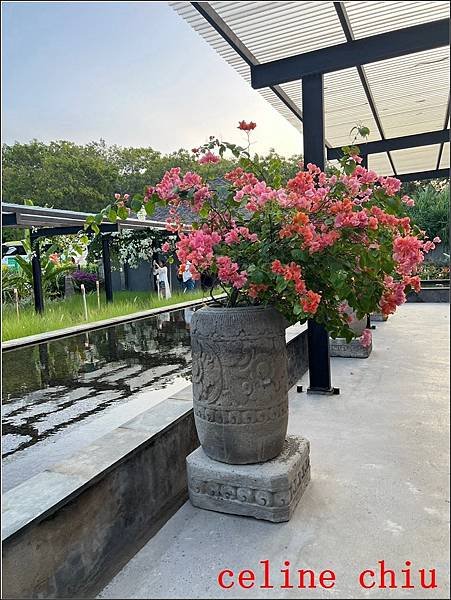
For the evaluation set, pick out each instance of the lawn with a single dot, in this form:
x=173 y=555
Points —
x=65 y=313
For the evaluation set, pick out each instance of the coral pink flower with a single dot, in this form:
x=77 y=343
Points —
x=310 y=302
x=228 y=272
x=247 y=126
x=366 y=338
x=391 y=185
x=407 y=200
x=255 y=289
x=209 y=157
x=166 y=247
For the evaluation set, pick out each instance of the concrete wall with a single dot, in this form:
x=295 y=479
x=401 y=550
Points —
x=68 y=530
x=429 y=294
x=81 y=520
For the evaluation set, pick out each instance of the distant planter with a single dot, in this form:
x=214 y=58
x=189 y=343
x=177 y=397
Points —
x=433 y=290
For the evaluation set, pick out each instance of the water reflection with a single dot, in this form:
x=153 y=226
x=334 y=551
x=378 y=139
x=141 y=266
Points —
x=49 y=387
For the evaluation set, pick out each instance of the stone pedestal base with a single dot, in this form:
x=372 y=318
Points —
x=269 y=490
x=353 y=349
x=378 y=317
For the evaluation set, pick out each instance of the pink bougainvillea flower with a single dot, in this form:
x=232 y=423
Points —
x=228 y=272
x=366 y=338
x=310 y=302
x=165 y=247
x=208 y=158
x=117 y=196
x=247 y=126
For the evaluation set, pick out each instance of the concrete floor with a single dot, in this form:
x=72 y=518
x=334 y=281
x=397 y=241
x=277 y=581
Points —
x=379 y=489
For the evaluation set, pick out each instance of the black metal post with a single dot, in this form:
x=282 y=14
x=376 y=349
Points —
x=107 y=267
x=37 y=275
x=364 y=162
x=314 y=152
x=126 y=275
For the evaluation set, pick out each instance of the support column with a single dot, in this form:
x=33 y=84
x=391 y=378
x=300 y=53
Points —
x=107 y=267
x=364 y=162
x=314 y=152
x=37 y=275
x=127 y=275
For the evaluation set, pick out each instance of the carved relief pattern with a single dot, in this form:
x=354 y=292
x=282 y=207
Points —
x=241 y=417
x=239 y=368
x=258 y=497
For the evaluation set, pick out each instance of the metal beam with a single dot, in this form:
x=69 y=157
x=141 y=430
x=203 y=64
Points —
x=383 y=46
x=349 y=34
x=51 y=231
x=38 y=216
x=314 y=152
x=424 y=175
x=9 y=220
x=445 y=125
x=107 y=267
x=398 y=143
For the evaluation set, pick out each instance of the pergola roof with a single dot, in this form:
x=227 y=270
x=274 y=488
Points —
x=395 y=97
x=19 y=215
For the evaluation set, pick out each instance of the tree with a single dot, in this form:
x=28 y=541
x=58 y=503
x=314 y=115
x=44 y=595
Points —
x=60 y=174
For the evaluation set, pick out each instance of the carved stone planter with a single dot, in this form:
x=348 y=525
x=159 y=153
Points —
x=240 y=383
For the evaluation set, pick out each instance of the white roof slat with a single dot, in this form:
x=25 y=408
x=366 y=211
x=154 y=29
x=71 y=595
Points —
x=371 y=18
x=410 y=92
x=444 y=162
x=412 y=160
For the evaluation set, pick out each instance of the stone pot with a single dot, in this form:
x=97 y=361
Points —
x=356 y=325
x=240 y=382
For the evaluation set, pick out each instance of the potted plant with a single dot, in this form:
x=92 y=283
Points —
x=283 y=251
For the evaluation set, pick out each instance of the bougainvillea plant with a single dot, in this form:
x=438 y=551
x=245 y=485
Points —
x=312 y=246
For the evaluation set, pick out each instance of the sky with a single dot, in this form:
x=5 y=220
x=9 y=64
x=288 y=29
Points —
x=131 y=73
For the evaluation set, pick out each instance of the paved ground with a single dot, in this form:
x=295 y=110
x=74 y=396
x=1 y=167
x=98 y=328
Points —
x=379 y=488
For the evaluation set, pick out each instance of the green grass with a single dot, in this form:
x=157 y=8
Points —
x=65 y=313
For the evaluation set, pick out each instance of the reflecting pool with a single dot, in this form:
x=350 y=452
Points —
x=62 y=394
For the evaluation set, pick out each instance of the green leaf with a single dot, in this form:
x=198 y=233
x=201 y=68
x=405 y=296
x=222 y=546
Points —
x=136 y=204
x=297 y=309
x=98 y=218
x=112 y=215
x=122 y=213
x=204 y=211
x=149 y=207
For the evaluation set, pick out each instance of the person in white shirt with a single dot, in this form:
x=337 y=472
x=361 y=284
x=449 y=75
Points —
x=188 y=281
x=161 y=271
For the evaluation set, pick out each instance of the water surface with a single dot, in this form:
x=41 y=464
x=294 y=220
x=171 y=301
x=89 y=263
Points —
x=62 y=394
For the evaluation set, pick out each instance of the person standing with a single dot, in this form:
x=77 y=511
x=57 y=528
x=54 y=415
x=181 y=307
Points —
x=187 y=278
x=164 y=291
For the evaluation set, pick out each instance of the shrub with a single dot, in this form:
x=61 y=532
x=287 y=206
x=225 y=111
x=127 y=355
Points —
x=86 y=278
x=431 y=211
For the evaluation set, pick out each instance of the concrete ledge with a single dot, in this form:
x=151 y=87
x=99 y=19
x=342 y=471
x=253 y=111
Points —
x=67 y=530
